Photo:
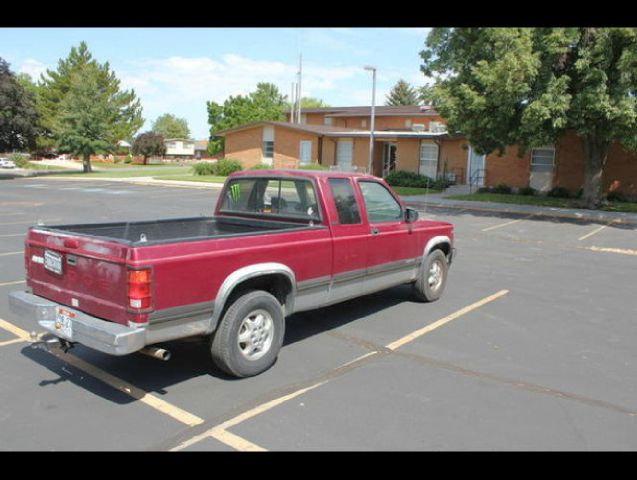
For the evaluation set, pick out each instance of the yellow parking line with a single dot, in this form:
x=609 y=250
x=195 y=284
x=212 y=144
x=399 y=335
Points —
x=13 y=235
x=12 y=283
x=11 y=342
x=11 y=253
x=623 y=251
x=219 y=431
x=17 y=331
x=148 y=399
x=11 y=214
x=505 y=224
x=439 y=323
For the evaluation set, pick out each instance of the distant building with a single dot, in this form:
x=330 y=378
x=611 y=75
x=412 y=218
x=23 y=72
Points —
x=179 y=148
x=201 y=149
x=415 y=139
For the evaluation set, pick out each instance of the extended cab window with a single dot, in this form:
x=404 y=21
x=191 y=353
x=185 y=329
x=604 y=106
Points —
x=381 y=206
x=271 y=197
x=345 y=201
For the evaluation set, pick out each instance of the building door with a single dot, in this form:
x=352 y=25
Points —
x=475 y=168
x=542 y=165
x=389 y=158
x=305 y=152
x=344 y=154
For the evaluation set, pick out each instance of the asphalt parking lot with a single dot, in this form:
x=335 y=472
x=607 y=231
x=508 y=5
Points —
x=532 y=347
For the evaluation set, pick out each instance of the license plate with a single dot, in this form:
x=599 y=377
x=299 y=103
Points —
x=53 y=261
x=64 y=322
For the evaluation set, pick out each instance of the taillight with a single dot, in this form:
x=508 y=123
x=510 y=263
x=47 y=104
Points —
x=139 y=289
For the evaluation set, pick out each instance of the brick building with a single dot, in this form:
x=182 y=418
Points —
x=415 y=139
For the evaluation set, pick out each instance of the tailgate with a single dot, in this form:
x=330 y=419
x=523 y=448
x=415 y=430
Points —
x=81 y=272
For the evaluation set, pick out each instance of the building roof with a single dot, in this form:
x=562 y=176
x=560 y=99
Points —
x=381 y=110
x=177 y=140
x=316 y=129
x=331 y=131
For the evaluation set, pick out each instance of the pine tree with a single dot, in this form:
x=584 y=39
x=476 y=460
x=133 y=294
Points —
x=402 y=94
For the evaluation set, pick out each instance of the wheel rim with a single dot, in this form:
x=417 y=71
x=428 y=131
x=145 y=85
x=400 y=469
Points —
x=256 y=334
x=435 y=275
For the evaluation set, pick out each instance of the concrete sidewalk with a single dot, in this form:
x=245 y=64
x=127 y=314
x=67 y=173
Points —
x=422 y=202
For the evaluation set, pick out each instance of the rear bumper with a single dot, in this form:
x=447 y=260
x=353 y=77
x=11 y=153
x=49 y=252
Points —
x=107 y=337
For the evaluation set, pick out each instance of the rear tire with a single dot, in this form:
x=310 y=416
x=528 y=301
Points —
x=432 y=277
x=249 y=336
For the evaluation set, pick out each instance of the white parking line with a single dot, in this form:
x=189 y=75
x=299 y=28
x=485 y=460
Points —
x=11 y=253
x=597 y=230
x=12 y=283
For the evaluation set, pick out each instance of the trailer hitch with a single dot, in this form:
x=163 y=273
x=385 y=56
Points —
x=45 y=342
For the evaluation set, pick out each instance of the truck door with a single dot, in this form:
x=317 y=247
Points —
x=350 y=236
x=392 y=256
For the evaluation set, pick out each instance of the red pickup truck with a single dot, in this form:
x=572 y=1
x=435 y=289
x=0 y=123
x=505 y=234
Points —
x=279 y=242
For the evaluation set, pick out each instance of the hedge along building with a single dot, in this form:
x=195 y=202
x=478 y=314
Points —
x=415 y=139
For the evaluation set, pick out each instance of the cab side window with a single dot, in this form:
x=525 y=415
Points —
x=381 y=206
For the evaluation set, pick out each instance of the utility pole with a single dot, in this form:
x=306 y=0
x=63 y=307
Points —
x=298 y=99
x=371 y=130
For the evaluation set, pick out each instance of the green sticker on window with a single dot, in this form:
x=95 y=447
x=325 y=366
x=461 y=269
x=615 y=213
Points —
x=235 y=192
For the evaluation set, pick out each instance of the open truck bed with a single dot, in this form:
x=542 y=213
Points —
x=175 y=230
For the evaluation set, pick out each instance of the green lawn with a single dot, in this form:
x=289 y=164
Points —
x=415 y=191
x=192 y=178
x=540 y=201
x=147 y=171
x=39 y=166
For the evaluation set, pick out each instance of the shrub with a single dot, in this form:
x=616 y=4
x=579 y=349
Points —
x=21 y=161
x=616 y=197
x=485 y=190
x=226 y=166
x=501 y=188
x=204 y=168
x=261 y=166
x=402 y=178
x=528 y=191
x=559 y=192
x=313 y=166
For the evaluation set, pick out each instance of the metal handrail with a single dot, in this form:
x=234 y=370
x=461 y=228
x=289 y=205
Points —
x=475 y=177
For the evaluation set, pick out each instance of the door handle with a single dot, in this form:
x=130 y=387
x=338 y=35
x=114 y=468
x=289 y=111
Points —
x=375 y=231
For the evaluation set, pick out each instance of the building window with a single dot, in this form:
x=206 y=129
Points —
x=363 y=123
x=408 y=123
x=268 y=149
x=328 y=121
x=544 y=156
x=429 y=160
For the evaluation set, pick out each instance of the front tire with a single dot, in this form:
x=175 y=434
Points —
x=432 y=277
x=249 y=337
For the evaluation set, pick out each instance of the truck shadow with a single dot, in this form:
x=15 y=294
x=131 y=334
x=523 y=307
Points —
x=191 y=358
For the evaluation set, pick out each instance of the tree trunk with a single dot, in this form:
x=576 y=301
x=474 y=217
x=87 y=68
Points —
x=86 y=163
x=145 y=159
x=596 y=154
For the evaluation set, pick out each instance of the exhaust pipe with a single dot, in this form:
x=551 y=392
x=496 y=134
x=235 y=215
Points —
x=155 y=352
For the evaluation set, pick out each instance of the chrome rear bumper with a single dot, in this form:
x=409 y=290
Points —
x=107 y=337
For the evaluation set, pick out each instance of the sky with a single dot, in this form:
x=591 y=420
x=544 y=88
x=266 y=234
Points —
x=177 y=70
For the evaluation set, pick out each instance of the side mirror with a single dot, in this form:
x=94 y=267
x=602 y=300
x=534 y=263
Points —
x=411 y=215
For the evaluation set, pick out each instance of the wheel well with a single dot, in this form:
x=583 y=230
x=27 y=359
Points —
x=444 y=246
x=276 y=284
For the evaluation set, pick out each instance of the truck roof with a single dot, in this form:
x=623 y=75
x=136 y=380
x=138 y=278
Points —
x=300 y=173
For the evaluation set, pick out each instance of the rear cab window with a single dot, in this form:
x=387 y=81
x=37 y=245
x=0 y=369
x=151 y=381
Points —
x=273 y=198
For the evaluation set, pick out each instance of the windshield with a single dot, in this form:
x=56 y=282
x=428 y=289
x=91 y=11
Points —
x=272 y=197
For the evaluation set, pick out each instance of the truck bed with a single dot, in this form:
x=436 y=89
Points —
x=176 y=230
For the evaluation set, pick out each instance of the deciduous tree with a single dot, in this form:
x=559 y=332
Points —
x=265 y=103
x=529 y=86
x=170 y=126
x=149 y=144
x=18 y=116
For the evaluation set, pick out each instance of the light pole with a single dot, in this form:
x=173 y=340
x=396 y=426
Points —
x=371 y=129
